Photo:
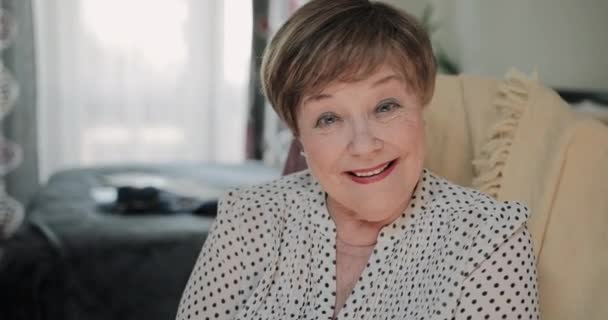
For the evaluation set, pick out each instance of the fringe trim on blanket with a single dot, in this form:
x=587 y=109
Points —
x=511 y=102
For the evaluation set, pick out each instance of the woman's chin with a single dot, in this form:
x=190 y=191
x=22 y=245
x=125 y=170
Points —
x=377 y=213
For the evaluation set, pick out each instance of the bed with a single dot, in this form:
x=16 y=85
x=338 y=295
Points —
x=81 y=255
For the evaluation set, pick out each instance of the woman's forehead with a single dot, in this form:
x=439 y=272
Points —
x=380 y=75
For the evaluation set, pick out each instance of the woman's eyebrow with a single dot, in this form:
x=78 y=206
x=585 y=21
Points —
x=317 y=97
x=386 y=79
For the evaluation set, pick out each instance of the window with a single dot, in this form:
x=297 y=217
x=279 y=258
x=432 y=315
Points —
x=128 y=81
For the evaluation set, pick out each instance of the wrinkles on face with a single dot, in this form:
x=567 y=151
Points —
x=367 y=128
x=359 y=126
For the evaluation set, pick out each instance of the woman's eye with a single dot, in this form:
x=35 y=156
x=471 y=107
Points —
x=388 y=110
x=326 y=120
x=387 y=107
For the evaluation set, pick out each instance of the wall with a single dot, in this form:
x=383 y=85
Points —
x=564 y=40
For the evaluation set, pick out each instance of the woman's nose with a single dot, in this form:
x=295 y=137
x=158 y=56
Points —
x=363 y=140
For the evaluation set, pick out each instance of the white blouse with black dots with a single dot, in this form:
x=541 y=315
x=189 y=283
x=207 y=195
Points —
x=455 y=253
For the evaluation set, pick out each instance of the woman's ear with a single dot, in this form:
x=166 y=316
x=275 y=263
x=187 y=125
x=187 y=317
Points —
x=295 y=161
x=300 y=146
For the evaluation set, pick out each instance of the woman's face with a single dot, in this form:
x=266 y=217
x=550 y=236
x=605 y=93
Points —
x=364 y=142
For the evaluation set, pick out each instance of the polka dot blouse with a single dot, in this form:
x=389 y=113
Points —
x=454 y=253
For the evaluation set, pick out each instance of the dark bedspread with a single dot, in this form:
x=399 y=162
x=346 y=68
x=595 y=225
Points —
x=74 y=261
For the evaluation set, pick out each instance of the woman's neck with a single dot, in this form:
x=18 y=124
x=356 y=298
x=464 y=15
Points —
x=351 y=230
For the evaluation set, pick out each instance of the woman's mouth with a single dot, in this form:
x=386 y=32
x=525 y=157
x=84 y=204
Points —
x=370 y=175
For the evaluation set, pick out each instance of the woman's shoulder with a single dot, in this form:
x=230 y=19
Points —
x=471 y=204
x=477 y=223
x=294 y=183
x=270 y=196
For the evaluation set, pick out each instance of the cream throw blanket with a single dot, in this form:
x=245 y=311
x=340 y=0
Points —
x=517 y=140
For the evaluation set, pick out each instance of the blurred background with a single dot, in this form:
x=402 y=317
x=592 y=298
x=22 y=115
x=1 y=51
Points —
x=124 y=120
x=174 y=80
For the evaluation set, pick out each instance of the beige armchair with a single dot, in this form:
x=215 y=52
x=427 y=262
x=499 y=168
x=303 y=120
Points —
x=515 y=139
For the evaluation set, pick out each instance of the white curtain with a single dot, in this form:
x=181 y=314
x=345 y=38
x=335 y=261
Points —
x=124 y=81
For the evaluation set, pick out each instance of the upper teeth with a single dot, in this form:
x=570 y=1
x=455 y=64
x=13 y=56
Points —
x=371 y=173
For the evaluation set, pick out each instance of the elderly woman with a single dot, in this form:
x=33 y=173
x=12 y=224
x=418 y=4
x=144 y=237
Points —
x=366 y=232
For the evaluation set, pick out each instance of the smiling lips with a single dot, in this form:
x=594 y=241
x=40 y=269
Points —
x=372 y=175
